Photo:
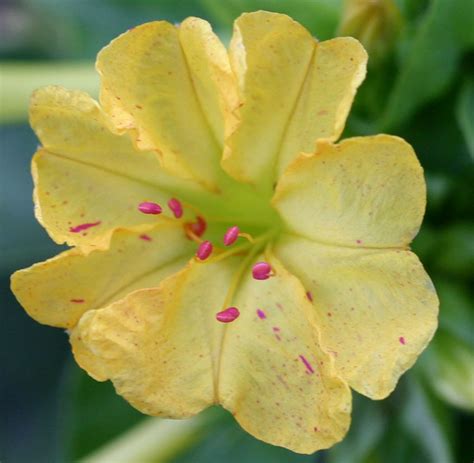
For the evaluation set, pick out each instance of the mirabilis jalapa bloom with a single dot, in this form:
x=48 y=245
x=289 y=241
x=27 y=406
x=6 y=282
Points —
x=225 y=249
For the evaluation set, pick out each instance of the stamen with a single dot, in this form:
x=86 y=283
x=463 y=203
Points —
x=197 y=228
x=204 y=250
x=231 y=235
x=148 y=207
x=247 y=236
x=176 y=207
x=261 y=271
x=228 y=315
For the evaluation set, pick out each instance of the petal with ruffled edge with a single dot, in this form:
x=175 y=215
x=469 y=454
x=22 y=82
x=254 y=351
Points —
x=173 y=86
x=274 y=377
x=58 y=291
x=293 y=90
x=362 y=192
x=168 y=356
x=376 y=309
x=88 y=180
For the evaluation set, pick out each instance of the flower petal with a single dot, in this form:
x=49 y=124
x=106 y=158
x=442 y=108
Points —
x=376 y=309
x=87 y=176
x=159 y=345
x=363 y=192
x=174 y=87
x=58 y=291
x=274 y=378
x=167 y=355
x=293 y=89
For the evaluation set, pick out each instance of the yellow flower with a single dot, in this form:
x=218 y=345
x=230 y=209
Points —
x=318 y=292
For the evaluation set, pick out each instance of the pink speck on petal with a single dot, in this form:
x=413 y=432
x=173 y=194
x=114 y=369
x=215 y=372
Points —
x=145 y=237
x=231 y=235
x=402 y=340
x=359 y=241
x=148 y=207
x=204 y=250
x=84 y=226
x=176 y=207
x=276 y=331
x=228 y=315
x=261 y=314
x=78 y=301
x=308 y=366
x=261 y=271
x=309 y=296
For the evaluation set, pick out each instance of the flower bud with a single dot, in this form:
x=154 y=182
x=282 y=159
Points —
x=375 y=23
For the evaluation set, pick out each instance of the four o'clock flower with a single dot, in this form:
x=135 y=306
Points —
x=225 y=249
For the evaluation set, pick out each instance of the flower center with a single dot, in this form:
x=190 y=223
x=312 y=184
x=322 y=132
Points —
x=235 y=222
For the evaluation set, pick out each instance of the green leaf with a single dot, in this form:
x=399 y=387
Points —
x=455 y=254
x=423 y=422
x=91 y=415
x=425 y=244
x=438 y=186
x=429 y=55
x=456 y=310
x=154 y=440
x=465 y=114
x=449 y=367
x=367 y=427
x=227 y=442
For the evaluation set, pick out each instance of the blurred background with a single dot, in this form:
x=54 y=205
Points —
x=420 y=86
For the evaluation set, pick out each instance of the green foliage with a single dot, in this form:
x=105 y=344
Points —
x=319 y=16
x=228 y=442
x=449 y=365
x=91 y=415
x=428 y=56
x=369 y=425
x=465 y=113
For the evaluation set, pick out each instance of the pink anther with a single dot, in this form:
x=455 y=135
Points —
x=148 y=207
x=261 y=271
x=176 y=207
x=204 y=250
x=231 y=235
